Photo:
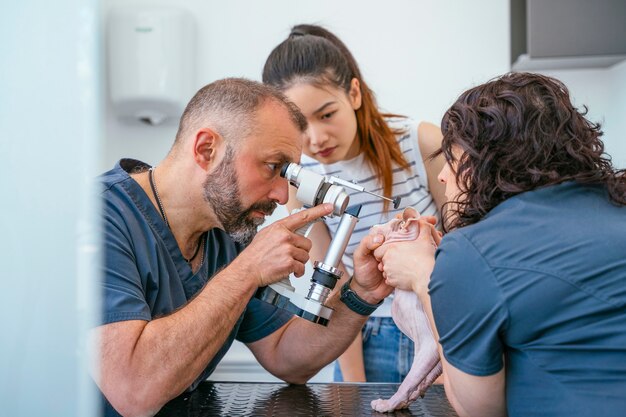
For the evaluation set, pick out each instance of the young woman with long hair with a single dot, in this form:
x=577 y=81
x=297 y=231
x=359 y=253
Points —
x=349 y=137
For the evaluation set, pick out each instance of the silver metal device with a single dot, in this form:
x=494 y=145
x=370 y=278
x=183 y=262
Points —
x=314 y=189
x=311 y=186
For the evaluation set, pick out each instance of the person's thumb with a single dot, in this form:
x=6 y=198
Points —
x=369 y=244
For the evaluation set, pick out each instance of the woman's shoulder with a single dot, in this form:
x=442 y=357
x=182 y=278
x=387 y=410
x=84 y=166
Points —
x=405 y=129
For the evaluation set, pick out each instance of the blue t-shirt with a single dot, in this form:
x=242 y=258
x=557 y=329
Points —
x=145 y=275
x=540 y=283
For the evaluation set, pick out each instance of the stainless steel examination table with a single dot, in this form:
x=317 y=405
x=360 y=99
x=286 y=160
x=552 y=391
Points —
x=283 y=400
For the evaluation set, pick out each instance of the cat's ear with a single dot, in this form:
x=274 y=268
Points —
x=410 y=213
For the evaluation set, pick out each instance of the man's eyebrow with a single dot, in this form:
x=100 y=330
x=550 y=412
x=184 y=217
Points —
x=280 y=157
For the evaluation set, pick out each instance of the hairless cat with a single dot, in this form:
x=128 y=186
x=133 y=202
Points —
x=408 y=314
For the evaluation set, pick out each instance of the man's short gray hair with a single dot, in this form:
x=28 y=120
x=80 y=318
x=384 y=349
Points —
x=229 y=106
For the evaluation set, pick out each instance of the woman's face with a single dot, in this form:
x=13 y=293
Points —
x=331 y=135
x=447 y=175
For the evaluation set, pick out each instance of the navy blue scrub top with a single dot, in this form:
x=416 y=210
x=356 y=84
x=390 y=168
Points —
x=145 y=275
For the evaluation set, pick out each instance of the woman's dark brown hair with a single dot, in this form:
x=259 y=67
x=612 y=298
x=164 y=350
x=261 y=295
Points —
x=313 y=55
x=517 y=133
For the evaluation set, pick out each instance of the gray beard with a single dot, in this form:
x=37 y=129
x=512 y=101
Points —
x=221 y=191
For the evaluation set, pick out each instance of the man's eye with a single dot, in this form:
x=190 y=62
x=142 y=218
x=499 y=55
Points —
x=273 y=167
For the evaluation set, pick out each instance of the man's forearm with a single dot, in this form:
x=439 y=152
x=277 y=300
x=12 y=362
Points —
x=169 y=353
x=189 y=338
x=303 y=348
x=298 y=350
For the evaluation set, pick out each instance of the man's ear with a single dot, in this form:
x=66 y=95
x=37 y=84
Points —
x=355 y=94
x=206 y=145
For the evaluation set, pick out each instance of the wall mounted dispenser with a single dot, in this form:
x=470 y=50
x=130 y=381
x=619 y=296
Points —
x=151 y=62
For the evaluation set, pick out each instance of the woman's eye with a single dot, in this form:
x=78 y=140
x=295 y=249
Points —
x=327 y=115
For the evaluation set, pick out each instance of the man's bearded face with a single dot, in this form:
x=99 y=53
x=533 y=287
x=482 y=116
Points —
x=221 y=191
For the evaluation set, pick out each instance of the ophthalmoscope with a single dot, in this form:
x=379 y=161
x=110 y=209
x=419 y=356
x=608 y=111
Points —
x=314 y=189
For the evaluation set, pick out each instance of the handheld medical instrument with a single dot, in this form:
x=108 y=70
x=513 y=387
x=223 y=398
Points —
x=314 y=189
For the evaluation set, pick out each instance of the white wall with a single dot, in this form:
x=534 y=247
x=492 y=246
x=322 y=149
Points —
x=604 y=92
x=49 y=133
x=416 y=55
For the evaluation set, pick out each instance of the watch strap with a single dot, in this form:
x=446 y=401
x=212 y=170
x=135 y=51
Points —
x=356 y=303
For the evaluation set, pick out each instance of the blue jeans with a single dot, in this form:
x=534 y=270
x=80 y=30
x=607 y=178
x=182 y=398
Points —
x=387 y=352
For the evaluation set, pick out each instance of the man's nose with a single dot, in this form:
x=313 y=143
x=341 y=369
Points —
x=279 y=191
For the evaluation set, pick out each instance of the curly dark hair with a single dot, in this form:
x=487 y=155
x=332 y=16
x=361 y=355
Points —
x=516 y=133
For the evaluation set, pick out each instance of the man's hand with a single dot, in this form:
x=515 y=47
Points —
x=408 y=265
x=368 y=282
x=276 y=251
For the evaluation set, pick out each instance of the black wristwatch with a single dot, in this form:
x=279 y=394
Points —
x=356 y=303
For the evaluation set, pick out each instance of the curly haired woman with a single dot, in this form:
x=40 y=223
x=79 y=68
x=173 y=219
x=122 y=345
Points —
x=528 y=288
